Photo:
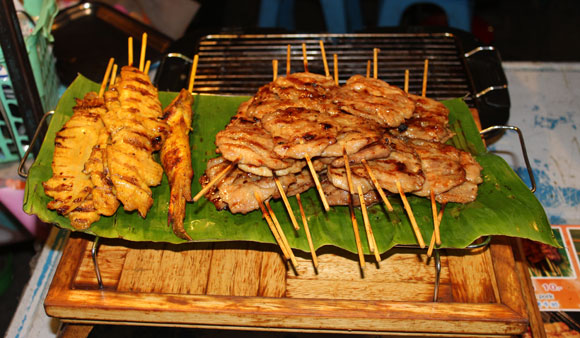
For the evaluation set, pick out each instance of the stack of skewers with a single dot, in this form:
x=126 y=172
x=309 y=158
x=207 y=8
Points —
x=355 y=143
x=103 y=155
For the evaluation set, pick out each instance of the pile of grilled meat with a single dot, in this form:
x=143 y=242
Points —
x=303 y=115
x=104 y=154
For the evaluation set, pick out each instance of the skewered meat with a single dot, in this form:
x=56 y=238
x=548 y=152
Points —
x=375 y=150
x=244 y=141
x=298 y=90
x=337 y=196
x=69 y=186
x=103 y=194
x=176 y=159
x=85 y=214
x=133 y=119
x=440 y=164
x=429 y=121
x=467 y=191
x=401 y=165
x=236 y=190
x=375 y=100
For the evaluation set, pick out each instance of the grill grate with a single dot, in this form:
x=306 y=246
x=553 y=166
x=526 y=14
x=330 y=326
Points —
x=240 y=64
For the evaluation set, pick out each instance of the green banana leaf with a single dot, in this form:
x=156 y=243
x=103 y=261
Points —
x=504 y=206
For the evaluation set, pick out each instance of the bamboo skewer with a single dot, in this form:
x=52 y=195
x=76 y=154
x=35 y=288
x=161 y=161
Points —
x=426 y=67
x=307 y=230
x=106 y=77
x=406 y=81
x=274 y=69
x=193 y=73
x=147 y=66
x=411 y=216
x=130 y=50
x=323 y=52
x=370 y=235
x=435 y=222
x=113 y=75
x=304 y=57
x=351 y=208
x=215 y=180
x=432 y=243
x=317 y=182
x=377 y=185
x=368 y=69
x=281 y=234
x=271 y=225
x=288 y=63
x=335 y=59
x=143 y=49
x=286 y=203
x=375 y=60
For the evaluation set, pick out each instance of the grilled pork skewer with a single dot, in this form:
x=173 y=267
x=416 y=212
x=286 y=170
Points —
x=176 y=159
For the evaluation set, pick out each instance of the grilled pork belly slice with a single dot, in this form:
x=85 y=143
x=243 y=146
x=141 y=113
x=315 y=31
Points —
x=245 y=141
x=337 y=196
x=467 y=191
x=375 y=150
x=176 y=159
x=236 y=190
x=298 y=90
x=429 y=121
x=298 y=132
x=69 y=186
x=375 y=100
x=441 y=166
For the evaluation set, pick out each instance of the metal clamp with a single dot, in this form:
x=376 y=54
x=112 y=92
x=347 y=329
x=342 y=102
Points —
x=478 y=49
x=94 y=253
x=523 y=146
x=22 y=171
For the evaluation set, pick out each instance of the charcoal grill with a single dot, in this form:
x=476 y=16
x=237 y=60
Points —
x=238 y=64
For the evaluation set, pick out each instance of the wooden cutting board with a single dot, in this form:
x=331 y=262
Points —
x=242 y=285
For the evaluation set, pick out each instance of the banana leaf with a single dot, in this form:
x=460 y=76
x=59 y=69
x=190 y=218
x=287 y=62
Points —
x=504 y=206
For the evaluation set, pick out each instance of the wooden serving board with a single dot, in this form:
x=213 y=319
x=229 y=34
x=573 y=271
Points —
x=240 y=285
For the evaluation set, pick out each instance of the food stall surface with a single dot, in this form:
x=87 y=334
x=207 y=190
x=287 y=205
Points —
x=30 y=319
x=524 y=79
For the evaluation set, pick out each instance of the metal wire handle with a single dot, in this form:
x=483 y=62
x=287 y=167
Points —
x=522 y=144
x=22 y=171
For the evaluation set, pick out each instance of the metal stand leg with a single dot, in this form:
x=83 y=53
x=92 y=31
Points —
x=94 y=252
x=437 y=274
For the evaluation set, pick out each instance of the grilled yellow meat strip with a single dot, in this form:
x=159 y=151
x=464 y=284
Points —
x=176 y=159
x=103 y=196
x=69 y=186
x=134 y=122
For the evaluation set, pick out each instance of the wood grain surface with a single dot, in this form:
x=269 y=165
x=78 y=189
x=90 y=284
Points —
x=249 y=286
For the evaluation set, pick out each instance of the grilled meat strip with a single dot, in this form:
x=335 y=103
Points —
x=402 y=164
x=236 y=190
x=467 y=191
x=245 y=141
x=133 y=119
x=103 y=194
x=375 y=100
x=298 y=90
x=176 y=159
x=85 y=214
x=429 y=121
x=69 y=186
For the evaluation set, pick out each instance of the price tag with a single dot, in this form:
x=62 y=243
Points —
x=555 y=271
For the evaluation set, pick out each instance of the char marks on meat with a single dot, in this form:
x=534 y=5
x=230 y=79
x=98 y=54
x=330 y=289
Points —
x=375 y=100
x=429 y=121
